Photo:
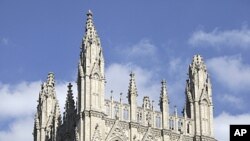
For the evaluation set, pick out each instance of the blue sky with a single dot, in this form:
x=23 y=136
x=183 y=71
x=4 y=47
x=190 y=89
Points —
x=157 y=40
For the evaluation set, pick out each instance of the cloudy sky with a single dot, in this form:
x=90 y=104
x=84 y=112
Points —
x=156 y=40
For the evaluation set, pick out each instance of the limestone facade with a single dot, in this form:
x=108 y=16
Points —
x=93 y=118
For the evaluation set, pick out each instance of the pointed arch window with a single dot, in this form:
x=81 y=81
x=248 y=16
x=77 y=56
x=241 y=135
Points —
x=107 y=109
x=139 y=116
x=180 y=124
x=95 y=89
x=125 y=113
x=204 y=115
x=171 y=124
x=96 y=83
x=158 y=121
x=116 y=111
x=189 y=128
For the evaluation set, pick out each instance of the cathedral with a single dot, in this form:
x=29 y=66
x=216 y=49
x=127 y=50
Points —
x=93 y=118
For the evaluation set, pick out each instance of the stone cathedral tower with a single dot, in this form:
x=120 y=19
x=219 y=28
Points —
x=93 y=118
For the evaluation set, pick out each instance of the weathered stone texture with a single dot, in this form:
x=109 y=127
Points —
x=93 y=118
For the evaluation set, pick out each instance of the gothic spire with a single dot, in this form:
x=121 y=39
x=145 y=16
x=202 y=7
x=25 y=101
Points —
x=69 y=117
x=91 y=56
x=70 y=103
x=197 y=64
x=198 y=96
x=91 y=78
x=48 y=117
x=198 y=77
x=91 y=35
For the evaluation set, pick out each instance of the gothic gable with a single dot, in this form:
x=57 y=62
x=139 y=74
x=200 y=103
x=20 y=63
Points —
x=117 y=132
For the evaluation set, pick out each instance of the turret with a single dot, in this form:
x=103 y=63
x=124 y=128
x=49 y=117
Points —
x=47 y=118
x=199 y=104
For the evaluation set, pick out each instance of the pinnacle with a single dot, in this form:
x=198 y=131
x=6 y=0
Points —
x=70 y=94
x=90 y=31
x=163 y=82
x=132 y=78
x=70 y=103
x=197 y=63
x=70 y=88
x=132 y=85
x=163 y=89
x=198 y=58
x=51 y=79
x=132 y=74
x=89 y=12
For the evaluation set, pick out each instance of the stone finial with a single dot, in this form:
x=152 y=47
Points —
x=132 y=74
x=164 y=94
x=197 y=63
x=70 y=88
x=89 y=16
x=89 y=12
x=132 y=86
x=51 y=79
x=91 y=35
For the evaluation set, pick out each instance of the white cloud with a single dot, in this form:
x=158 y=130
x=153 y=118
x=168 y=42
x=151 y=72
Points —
x=117 y=76
x=222 y=122
x=231 y=72
x=18 y=103
x=18 y=100
x=141 y=52
x=216 y=38
x=4 y=41
x=177 y=70
x=21 y=99
x=234 y=101
x=175 y=65
x=19 y=130
x=143 y=48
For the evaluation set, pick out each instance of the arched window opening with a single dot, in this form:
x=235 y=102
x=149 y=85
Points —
x=139 y=116
x=188 y=128
x=158 y=121
x=116 y=111
x=125 y=114
x=107 y=109
x=180 y=124
x=96 y=84
x=204 y=115
x=171 y=124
